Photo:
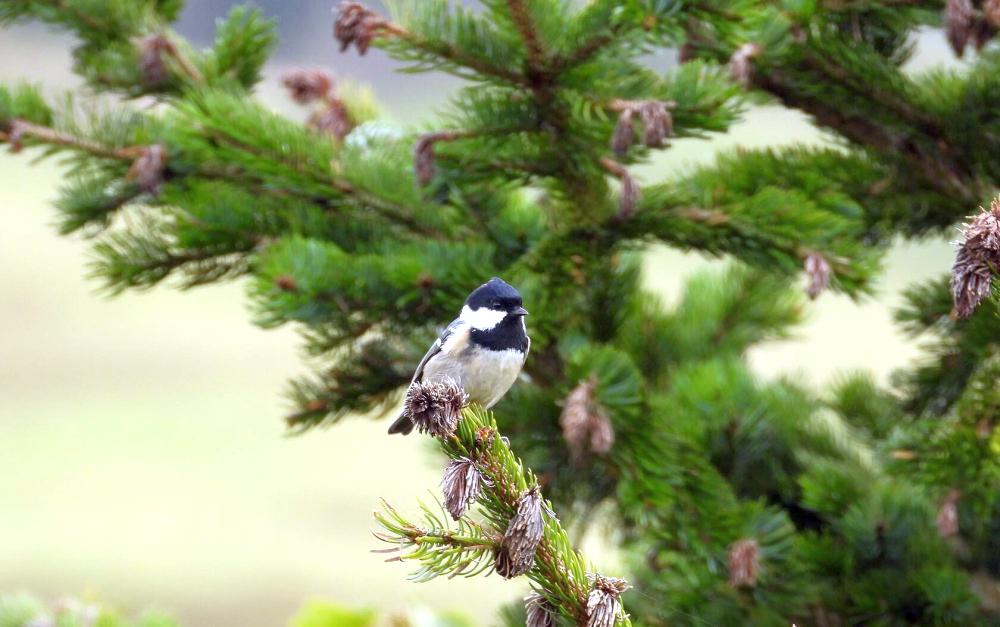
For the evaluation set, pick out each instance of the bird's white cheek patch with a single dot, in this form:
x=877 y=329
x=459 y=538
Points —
x=483 y=318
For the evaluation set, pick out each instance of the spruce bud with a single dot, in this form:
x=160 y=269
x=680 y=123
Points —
x=819 y=271
x=741 y=63
x=630 y=196
x=947 y=518
x=539 y=611
x=307 y=86
x=585 y=423
x=977 y=259
x=462 y=485
x=332 y=119
x=435 y=407
x=744 y=563
x=356 y=24
x=604 y=601
x=423 y=158
x=147 y=170
x=657 y=123
x=958 y=24
x=516 y=553
x=152 y=66
x=623 y=135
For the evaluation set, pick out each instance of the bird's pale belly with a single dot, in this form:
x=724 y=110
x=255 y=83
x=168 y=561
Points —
x=485 y=375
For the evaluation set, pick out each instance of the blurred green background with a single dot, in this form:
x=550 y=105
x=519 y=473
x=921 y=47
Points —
x=142 y=456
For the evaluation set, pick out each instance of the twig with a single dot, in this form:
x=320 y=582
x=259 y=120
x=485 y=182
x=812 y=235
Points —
x=491 y=450
x=454 y=54
x=51 y=136
x=522 y=19
x=613 y=167
x=841 y=75
x=940 y=170
x=186 y=66
x=79 y=15
x=630 y=190
x=388 y=209
x=618 y=105
x=589 y=48
x=20 y=128
x=720 y=218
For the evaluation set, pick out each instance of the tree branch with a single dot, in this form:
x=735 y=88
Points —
x=557 y=569
x=186 y=66
x=589 y=48
x=20 y=129
x=522 y=19
x=939 y=170
x=455 y=55
x=84 y=18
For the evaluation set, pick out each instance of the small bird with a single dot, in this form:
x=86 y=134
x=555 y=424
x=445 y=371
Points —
x=483 y=350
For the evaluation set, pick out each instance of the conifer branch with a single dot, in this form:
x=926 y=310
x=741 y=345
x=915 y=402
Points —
x=558 y=571
x=630 y=189
x=366 y=29
x=521 y=16
x=187 y=66
x=153 y=48
x=586 y=50
x=717 y=219
x=390 y=210
x=418 y=535
x=869 y=90
x=455 y=55
x=80 y=16
x=20 y=129
x=940 y=171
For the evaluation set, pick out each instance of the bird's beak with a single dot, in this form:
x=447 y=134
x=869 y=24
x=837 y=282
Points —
x=520 y=311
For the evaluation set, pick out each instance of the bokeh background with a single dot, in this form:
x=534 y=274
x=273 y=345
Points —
x=142 y=454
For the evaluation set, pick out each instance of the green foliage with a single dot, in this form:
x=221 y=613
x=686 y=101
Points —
x=558 y=571
x=89 y=200
x=25 y=102
x=16 y=610
x=336 y=287
x=729 y=313
x=243 y=42
x=865 y=406
x=953 y=350
x=773 y=228
x=323 y=614
x=326 y=614
x=439 y=29
x=441 y=548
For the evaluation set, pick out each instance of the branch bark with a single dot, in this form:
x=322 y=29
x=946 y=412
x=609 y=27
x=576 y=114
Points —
x=20 y=129
x=521 y=15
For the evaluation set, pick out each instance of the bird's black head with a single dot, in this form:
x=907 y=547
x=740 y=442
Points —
x=491 y=303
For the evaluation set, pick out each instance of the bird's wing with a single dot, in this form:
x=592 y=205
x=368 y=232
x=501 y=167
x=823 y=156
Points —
x=434 y=349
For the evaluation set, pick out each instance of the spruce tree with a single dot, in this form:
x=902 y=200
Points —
x=733 y=500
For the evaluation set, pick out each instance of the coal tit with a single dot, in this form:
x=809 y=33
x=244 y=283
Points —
x=483 y=350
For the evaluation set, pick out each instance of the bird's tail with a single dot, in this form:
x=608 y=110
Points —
x=402 y=425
